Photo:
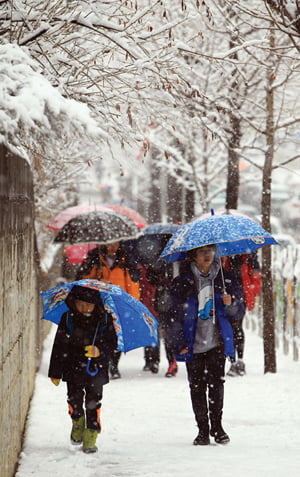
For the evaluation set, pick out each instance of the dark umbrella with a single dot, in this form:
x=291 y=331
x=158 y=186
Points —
x=159 y=228
x=99 y=227
x=147 y=248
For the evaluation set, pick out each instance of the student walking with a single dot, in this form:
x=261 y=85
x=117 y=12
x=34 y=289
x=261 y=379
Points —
x=200 y=334
x=83 y=344
x=111 y=264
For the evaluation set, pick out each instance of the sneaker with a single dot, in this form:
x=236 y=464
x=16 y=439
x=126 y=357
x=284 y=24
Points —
x=202 y=439
x=78 y=426
x=147 y=367
x=240 y=367
x=172 y=369
x=220 y=435
x=232 y=370
x=154 y=368
x=89 y=441
x=114 y=373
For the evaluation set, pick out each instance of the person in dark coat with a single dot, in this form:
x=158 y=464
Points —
x=160 y=275
x=83 y=344
x=111 y=263
x=200 y=333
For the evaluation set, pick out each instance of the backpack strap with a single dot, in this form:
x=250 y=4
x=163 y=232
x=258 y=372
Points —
x=69 y=323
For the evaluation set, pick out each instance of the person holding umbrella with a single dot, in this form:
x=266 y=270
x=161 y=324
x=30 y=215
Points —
x=199 y=327
x=155 y=278
x=110 y=263
x=159 y=275
x=83 y=344
x=200 y=333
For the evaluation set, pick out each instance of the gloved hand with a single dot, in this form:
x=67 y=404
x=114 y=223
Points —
x=91 y=351
x=55 y=381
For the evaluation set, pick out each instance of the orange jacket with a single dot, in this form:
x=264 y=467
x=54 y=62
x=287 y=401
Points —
x=121 y=277
x=116 y=275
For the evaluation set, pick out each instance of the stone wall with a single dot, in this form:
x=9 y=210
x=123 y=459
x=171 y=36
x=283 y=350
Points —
x=21 y=330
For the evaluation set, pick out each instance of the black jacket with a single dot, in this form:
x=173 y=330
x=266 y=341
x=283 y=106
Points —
x=75 y=331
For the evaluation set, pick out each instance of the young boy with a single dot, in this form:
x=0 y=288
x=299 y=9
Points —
x=110 y=263
x=200 y=334
x=84 y=342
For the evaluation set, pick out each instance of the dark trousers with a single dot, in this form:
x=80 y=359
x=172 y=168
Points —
x=152 y=354
x=206 y=380
x=115 y=358
x=90 y=397
x=239 y=337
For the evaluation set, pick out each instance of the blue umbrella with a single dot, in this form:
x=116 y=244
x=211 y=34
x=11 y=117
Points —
x=135 y=326
x=233 y=234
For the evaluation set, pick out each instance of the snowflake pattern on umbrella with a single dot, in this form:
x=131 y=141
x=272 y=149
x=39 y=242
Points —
x=232 y=233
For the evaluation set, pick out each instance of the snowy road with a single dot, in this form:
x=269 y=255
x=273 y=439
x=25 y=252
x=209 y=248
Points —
x=148 y=425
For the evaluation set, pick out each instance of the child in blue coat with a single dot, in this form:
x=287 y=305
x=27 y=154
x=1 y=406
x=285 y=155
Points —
x=200 y=333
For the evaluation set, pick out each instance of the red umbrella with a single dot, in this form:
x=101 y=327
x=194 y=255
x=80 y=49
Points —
x=63 y=217
x=78 y=253
x=132 y=214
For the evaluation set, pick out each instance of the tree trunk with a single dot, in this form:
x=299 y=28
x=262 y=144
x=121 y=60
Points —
x=175 y=200
x=155 y=193
x=233 y=173
x=189 y=212
x=233 y=176
x=267 y=285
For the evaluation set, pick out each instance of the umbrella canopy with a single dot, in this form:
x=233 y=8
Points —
x=224 y=212
x=132 y=214
x=147 y=248
x=78 y=253
x=63 y=217
x=101 y=226
x=233 y=234
x=135 y=326
x=159 y=228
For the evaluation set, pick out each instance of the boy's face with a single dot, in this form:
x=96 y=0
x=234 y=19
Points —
x=84 y=307
x=204 y=257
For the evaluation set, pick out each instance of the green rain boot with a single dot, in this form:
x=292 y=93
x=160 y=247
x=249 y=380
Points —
x=89 y=441
x=78 y=426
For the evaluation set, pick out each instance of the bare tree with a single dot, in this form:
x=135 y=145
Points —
x=285 y=15
x=268 y=305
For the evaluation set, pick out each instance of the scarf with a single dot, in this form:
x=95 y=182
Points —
x=206 y=337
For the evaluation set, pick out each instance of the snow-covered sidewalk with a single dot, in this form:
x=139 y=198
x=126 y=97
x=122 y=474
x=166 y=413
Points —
x=148 y=424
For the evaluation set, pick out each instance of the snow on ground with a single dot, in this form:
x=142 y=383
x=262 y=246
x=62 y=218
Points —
x=148 y=424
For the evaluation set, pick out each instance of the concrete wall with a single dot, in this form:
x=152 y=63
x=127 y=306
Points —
x=21 y=331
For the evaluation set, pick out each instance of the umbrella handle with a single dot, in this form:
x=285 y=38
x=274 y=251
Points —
x=91 y=373
x=222 y=274
x=88 y=364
